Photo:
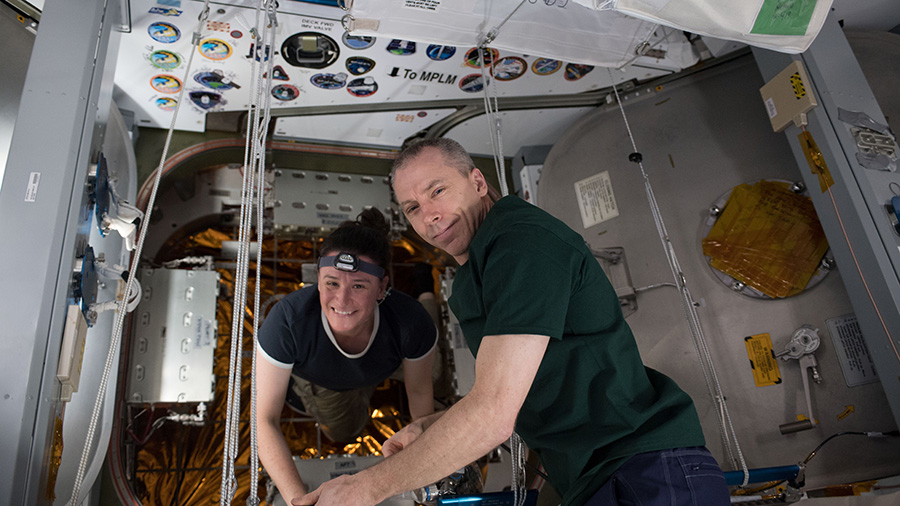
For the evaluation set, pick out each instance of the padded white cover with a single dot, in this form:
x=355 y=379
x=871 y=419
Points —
x=564 y=30
x=724 y=19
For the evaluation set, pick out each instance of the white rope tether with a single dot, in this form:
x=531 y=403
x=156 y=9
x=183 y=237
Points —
x=254 y=174
x=491 y=109
x=726 y=427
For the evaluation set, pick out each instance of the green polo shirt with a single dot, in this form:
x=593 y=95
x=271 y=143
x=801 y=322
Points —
x=592 y=404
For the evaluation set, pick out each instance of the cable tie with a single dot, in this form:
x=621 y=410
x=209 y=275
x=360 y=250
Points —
x=635 y=157
x=489 y=37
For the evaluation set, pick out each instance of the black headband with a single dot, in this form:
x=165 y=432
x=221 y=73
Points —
x=349 y=262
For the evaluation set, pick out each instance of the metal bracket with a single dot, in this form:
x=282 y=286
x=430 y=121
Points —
x=802 y=347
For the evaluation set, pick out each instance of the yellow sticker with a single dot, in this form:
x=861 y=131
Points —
x=797 y=84
x=56 y=451
x=815 y=160
x=762 y=360
x=846 y=412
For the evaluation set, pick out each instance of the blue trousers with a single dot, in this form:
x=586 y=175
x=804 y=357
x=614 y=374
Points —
x=677 y=477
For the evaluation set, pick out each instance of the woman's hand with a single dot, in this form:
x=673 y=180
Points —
x=401 y=439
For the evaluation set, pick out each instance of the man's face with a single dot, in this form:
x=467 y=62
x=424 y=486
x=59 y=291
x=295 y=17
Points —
x=444 y=206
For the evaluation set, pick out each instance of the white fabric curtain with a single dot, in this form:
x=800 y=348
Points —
x=788 y=26
x=559 y=29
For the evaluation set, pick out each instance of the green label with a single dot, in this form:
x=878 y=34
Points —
x=784 y=17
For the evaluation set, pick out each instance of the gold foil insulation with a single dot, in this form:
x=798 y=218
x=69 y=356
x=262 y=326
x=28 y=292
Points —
x=182 y=464
x=767 y=237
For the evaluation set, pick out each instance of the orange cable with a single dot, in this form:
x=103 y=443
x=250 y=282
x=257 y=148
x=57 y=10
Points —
x=858 y=269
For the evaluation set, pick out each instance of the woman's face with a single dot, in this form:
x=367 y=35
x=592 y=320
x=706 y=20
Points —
x=349 y=299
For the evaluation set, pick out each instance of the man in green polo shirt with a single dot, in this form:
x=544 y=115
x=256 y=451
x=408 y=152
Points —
x=555 y=359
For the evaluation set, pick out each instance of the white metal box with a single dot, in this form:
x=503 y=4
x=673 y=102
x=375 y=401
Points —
x=174 y=337
x=307 y=200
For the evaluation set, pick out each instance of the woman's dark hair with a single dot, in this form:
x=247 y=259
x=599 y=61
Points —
x=367 y=235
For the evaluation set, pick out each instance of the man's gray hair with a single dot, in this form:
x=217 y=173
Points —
x=454 y=155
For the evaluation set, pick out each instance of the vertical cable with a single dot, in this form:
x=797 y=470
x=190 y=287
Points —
x=726 y=427
x=493 y=118
x=492 y=110
x=253 y=497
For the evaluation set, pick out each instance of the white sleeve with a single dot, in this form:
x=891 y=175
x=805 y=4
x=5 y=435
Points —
x=269 y=359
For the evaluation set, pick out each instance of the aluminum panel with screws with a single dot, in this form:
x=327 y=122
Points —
x=308 y=201
x=175 y=337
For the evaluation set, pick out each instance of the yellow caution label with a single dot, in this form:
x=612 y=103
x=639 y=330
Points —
x=815 y=160
x=846 y=412
x=797 y=84
x=762 y=360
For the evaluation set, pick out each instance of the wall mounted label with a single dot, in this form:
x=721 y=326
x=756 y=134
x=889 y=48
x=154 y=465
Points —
x=165 y=83
x=34 y=180
x=206 y=100
x=472 y=83
x=357 y=41
x=279 y=74
x=358 y=65
x=166 y=103
x=596 y=200
x=164 y=32
x=215 y=80
x=472 y=59
x=285 y=92
x=783 y=17
x=165 y=59
x=215 y=49
x=575 y=71
x=797 y=85
x=770 y=108
x=362 y=87
x=332 y=219
x=509 y=68
x=259 y=53
x=423 y=5
x=204 y=334
x=423 y=75
x=762 y=360
x=545 y=66
x=440 y=53
x=164 y=11
x=851 y=350
x=401 y=47
x=218 y=26
x=329 y=81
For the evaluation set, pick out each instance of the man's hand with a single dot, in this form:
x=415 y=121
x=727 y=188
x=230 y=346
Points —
x=341 y=491
x=401 y=439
